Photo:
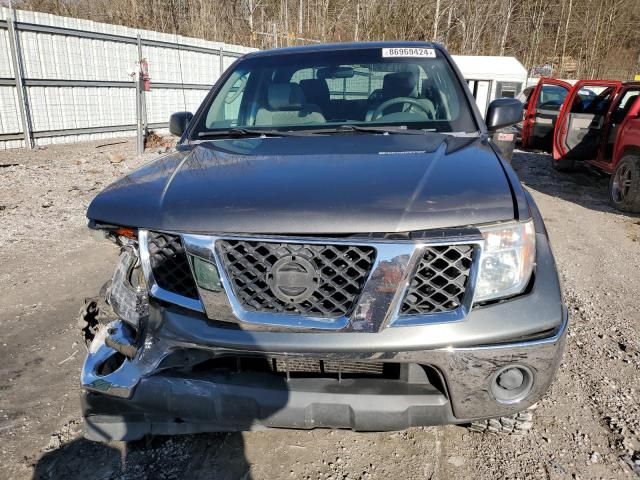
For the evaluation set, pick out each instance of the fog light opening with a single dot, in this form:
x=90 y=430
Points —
x=111 y=364
x=512 y=384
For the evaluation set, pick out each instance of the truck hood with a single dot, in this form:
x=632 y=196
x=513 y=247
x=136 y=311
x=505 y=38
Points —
x=323 y=184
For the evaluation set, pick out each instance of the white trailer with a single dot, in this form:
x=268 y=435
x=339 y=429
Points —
x=492 y=77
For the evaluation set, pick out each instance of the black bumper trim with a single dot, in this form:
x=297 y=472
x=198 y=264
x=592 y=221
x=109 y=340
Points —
x=167 y=404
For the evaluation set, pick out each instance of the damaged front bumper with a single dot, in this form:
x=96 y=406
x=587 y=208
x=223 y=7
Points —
x=166 y=369
x=159 y=391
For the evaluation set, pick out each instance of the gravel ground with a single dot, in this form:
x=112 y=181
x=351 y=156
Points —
x=588 y=425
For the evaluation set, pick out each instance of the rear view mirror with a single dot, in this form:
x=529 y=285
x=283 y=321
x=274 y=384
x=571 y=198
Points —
x=178 y=122
x=335 y=72
x=503 y=112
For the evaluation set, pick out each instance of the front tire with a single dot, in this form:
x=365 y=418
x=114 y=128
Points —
x=517 y=424
x=624 y=186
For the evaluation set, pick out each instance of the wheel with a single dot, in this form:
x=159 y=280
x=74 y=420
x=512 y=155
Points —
x=563 y=165
x=624 y=186
x=517 y=424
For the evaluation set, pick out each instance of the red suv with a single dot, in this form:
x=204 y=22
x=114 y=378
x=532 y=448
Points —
x=595 y=121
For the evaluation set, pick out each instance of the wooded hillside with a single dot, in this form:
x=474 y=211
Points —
x=565 y=38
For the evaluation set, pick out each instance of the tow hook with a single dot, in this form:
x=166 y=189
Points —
x=92 y=319
x=122 y=340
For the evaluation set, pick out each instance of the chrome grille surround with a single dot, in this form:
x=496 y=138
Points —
x=379 y=304
x=337 y=274
x=170 y=265
x=155 y=289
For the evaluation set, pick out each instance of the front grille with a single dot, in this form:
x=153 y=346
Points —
x=301 y=367
x=307 y=279
x=170 y=265
x=310 y=365
x=440 y=281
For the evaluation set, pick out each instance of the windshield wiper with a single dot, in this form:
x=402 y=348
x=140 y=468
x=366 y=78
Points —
x=381 y=129
x=384 y=130
x=248 y=132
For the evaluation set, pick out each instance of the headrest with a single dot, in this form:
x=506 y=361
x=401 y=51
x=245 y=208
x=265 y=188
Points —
x=285 y=96
x=399 y=84
x=315 y=90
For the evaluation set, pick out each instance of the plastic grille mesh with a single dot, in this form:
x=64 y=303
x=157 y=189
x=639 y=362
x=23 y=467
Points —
x=312 y=365
x=169 y=264
x=339 y=273
x=440 y=281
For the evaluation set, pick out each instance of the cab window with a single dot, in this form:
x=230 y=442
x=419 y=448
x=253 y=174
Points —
x=551 y=97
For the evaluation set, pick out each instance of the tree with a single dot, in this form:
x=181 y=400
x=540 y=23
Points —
x=579 y=38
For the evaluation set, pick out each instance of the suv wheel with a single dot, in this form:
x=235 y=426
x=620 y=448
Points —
x=517 y=424
x=624 y=186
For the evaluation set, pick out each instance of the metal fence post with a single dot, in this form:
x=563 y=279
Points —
x=139 y=128
x=143 y=98
x=139 y=135
x=221 y=62
x=16 y=59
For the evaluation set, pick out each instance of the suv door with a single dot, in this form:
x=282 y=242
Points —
x=622 y=105
x=578 y=131
x=542 y=109
x=624 y=185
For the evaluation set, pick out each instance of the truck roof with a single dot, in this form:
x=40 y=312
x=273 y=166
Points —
x=319 y=47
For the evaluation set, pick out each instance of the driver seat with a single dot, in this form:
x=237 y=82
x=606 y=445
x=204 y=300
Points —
x=394 y=85
x=397 y=84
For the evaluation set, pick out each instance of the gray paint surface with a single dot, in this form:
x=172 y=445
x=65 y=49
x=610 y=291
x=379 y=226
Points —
x=324 y=184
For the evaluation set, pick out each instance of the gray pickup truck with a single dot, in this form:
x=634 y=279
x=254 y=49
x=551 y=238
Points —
x=334 y=243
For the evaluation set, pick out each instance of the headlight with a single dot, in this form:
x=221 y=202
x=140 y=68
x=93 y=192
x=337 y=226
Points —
x=118 y=235
x=507 y=260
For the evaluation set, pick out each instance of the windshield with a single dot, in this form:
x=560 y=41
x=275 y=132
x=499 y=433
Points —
x=413 y=88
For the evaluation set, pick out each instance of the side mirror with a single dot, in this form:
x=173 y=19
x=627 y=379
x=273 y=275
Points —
x=178 y=122
x=503 y=112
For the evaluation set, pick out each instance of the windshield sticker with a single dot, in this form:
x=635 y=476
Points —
x=408 y=52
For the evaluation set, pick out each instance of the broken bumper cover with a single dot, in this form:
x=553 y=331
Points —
x=139 y=398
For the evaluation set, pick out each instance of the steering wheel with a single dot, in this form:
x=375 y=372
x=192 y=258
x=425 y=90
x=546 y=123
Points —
x=403 y=101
